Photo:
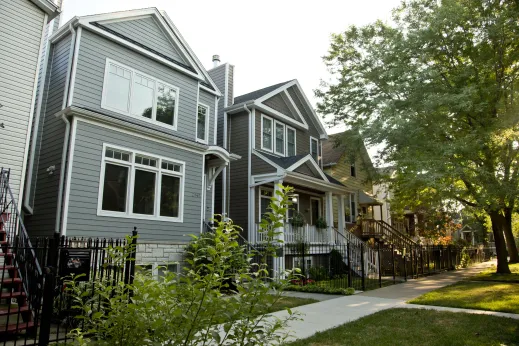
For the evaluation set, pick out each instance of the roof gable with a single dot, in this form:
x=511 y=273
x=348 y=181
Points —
x=145 y=30
x=106 y=25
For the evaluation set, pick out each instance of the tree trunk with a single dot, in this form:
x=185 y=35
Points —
x=497 y=228
x=509 y=236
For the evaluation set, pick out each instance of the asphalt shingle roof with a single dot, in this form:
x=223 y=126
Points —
x=257 y=93
x=284 y=162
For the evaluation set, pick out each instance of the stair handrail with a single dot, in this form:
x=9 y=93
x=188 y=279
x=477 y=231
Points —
x=22 y=236
x=352 y=238
x=398 y=233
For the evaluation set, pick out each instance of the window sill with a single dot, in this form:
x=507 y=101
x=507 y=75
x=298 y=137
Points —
x=140 y=217
x=144 y=119
x=202 y=141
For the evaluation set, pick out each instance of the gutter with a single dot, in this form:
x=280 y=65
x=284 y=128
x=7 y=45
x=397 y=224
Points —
x=66 y=140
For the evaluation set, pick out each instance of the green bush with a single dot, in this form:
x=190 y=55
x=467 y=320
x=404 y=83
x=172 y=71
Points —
x=465 y=258
x=189 y=308
x=321 y=289
x=318 y=273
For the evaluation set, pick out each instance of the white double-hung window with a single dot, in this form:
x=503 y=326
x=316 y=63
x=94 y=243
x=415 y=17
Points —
x=140 y=185
x=266 y=133
x=277 y=137
x=202 y=123
x=314 y=151
x=280 y=138
x=291 y=141
x=131 y=92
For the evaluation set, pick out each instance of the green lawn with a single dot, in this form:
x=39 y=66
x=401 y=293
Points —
x=492 y=296
x=421 y=328
x=490 y=274
x=290 y=302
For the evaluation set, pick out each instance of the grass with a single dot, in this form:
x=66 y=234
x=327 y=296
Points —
x=290 y=302
x=409 y=327
x=490 y=274
x=492 y=296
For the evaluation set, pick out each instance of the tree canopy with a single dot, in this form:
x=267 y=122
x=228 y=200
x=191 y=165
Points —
x=439 y=87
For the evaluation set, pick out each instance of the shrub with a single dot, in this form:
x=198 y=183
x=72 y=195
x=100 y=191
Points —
x=465 y=260
x=188 y=308
x=318 y=273
x=320 y=223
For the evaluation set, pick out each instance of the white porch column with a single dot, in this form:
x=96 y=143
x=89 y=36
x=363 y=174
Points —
x=329 y=214
x=279 y=262
x=341 y=213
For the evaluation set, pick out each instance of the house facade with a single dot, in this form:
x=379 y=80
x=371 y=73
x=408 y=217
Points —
x=127 y=135
x=279 y=137
x=346 y=159
x=23 y=32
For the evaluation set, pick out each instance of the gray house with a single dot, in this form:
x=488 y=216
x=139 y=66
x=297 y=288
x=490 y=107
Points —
x=127 y=136
x=24 y=26
x=279 y=137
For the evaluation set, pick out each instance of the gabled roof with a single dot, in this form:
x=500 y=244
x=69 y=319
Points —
x=284 y=162
x=191 y=65
x=334 y=148
x=291 y=163
x=50 y=7
x=253 y=95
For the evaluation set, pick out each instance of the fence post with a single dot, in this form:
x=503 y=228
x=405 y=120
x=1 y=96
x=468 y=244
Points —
x=350 y=284
x=393 y=261
x=50 y=271
x=421 y=259
x=379 y=267
x=303 y=264
x=412 y=261
x=362 y=267
x=129 y=267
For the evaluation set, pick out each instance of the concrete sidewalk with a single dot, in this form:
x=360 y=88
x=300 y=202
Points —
x=335 y=312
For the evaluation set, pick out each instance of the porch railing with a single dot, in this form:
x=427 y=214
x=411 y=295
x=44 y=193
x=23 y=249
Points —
x=307 y=233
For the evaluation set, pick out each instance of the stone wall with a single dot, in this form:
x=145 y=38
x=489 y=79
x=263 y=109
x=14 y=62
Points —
x=160 y=254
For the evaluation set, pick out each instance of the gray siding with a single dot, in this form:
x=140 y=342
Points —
x=88 y=86
x=82 y=211
x=21 y=25
x=239 y=182
x=208 y=99
x=278 y=103
x=147 y=32
x=49 y=145
x=258 y=166
x=305 y=169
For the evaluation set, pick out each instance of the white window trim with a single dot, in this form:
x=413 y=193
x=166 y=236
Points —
x=131 y=180
x=276 y=123
x=295 y=140
x=265 y=197
x=263 y=116
x=129 y=112
x=313 y=139
x=311 y=209
x=206 y=139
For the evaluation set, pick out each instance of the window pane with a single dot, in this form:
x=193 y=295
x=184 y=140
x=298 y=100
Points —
x=166 y=99
x=118 y=88
x=264 y=207
x=280 y=139
x=169 y=196
x=144 y=192
x=291 y=149
x=267 y=133
x=115 y=188
x=202 y=115
x=142 y=96
x=291 y=142
x=314 y=149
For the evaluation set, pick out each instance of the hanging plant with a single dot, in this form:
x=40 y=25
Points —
x=321 y=224
x=297 y=220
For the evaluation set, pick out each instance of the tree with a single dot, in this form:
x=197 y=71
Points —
x=438 y=87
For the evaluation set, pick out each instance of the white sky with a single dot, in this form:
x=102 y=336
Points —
x=268 y=41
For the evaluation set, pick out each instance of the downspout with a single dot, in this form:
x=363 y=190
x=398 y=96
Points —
x=250 y=200
x=66 y=140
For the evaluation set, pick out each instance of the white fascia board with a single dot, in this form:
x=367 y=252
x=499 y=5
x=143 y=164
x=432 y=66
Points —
x=275 y=91
x=266 y=178
x=50 y=8
x=324 y=135
x=239 y=107
x=222 y=153
x=310 y=159
x=272 y=112
x=307 y=181
x=279 y=168
x=295 y=107
x=164 y=16
x=212 y=92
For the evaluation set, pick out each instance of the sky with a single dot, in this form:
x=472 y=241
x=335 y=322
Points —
x=268 y=41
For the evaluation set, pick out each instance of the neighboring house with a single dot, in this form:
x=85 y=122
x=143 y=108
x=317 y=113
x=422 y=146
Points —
x=278 y=135
x=383 y=193
x=352 y=166
x=127 y=135
x=23 y=31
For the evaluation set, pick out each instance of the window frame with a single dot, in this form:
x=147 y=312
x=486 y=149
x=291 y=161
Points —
x=133 y=71
x=132 y=166
x=353 y=170
x=272 y=135
x=276 y=123
x=313 y=139
x=295 y=140
x=320 y=209
x=206 y=139
x=260 y=196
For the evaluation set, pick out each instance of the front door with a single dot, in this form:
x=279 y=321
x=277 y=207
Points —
x=315 y=210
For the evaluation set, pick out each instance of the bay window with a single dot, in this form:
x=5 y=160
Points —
x=139 y=185
x=133 y=93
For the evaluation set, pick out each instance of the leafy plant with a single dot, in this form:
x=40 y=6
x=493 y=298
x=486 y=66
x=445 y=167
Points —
x=189 y=308
x=465 y=260
x=318 y=273
x=298 y=220
x=321 y=224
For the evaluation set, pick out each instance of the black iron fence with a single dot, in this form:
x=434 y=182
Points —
x=49 y=316
x=365 y=267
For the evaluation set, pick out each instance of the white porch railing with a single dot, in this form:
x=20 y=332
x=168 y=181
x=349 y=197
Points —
x=307 y=233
